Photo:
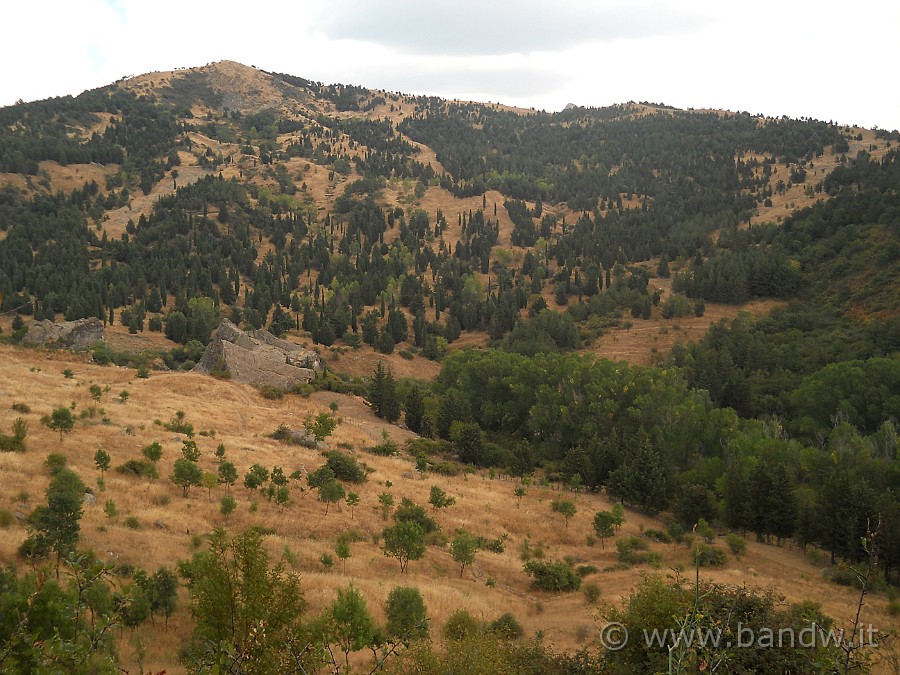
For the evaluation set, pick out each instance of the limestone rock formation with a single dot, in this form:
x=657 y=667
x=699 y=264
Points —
x=80 y=334
x=258 y=357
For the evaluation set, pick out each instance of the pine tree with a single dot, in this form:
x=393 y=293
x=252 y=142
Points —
x=414 y=408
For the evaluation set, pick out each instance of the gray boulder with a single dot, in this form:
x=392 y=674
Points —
x=258 y=358
x=80 y=334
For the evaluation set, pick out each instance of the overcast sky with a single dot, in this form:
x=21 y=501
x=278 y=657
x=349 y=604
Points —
x=823 y=59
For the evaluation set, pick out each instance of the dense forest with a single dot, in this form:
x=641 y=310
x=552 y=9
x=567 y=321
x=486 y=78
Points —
x=784 y=426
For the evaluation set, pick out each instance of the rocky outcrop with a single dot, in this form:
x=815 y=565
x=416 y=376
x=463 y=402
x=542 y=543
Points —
x=258 y=357
x=80 y=334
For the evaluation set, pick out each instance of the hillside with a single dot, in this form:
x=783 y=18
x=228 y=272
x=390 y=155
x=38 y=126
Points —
x=157 y=525
x=691 y=313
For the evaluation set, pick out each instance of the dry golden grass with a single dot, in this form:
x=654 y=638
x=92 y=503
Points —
x=796 y=198
x=241 y=418
x=649 y=341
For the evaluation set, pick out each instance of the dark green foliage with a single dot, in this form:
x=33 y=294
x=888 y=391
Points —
x=407 y=618
x=546 y=332
x=460 y=625
x=404 y=541
x=507 y=627
x=178 y=425
x=463 y=548
x=641 y=480
x=233 y=590
x=331 y=493
x=256 y=476
x=61 y=420
x=604 y=526
x=554 y=576
x=55 y=527
x=319 y=427
x=634 y=550
x=656 y=603
x=139 y=468
x=350 y=624
x=16 y=441
x=409 y=511
x=186 y=474
x=344 y=466
x=440 y=499
x=523 y=233
x=564 y=507
x=45 y=625
x=707 y=555
x=414 y=410
x=152 y=452
x=383 y=396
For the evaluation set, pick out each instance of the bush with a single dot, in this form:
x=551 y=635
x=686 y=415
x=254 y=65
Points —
x=461 y=625
x=345 y=467
x=409 y=511
x=585 y=570
x=21 y=408
x=553 y=576
x=707 y=555
x=635 y=551
x=736 y=544
x=6 y=518
x=139 y=468
x=844 y=576
x=893 y=608
x=132 y=523
x=506 y=626
x=591 y=592
x=656 y=535
x=386 y=449
x=55 y=463
x=179 y=426
x=271 y=393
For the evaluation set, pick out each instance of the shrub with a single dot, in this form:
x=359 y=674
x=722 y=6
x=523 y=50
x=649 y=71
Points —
x=350 y=536
x=460 y=625
x=707 y=555
x=656 y=535
x=179 y=426
x=345 y=467
x=409 y=511
x=736 y=544
x=552 y=575
x=591 y=592
x=271 y=393
x=844 y=576
x=55 y=462
x=635 y=551
x=162 y=500
x=139 y=468
x=893 y=608
x=506 y=626
x=132 y=523
x=584 y=570
x=385 y=449
x=6 y=518
x=21 y=408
